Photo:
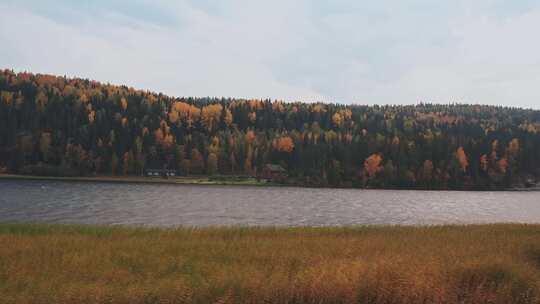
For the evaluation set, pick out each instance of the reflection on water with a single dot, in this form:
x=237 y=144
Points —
x=171 y=205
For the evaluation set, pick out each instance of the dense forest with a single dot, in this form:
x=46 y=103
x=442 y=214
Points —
x=53 y=125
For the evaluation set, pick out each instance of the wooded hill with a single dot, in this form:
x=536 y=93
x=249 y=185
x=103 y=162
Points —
x=53 y=125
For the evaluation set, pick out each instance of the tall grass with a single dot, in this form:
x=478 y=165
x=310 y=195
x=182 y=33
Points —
x=441 y=264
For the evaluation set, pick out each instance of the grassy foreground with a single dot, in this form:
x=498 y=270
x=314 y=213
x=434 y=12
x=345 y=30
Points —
x=442 y=264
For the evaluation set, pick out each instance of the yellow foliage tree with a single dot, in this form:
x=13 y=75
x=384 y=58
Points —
x=494 y=146
x=187 y=113
x=45 y=144
x=173 y=116
x=6 y=97
x=212 y=164
x=337 y=119
x=513 y=147
x=228 y=118
x=91 y=117
x=123 y=103
x=41 y=101
x=210 y=116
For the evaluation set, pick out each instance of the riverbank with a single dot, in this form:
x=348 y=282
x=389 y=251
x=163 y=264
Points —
x=111 y=264
x=216 y=180
x=179 y=180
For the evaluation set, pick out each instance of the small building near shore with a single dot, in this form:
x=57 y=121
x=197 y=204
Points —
x=160 y=172
x=274 y=173
x=530 y=182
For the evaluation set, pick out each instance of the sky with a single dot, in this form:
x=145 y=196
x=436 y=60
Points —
x=346 y=51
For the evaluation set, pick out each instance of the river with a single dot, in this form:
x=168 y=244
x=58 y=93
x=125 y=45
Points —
x=193 y=205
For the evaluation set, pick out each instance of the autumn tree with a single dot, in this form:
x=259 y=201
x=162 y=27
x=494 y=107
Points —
x=427 y=171
x=228 y=117
x=484 y=163
x=513 y=148
x=41 y=100
x=123 y=103
x=79 y=126
x=210 y=116
x=512 y=154
x=502 y=165
x=186 y=113
x=212 y=164
x=250 y=136
x=45 y=145
x=127 y=160
x=185 y=166
x=372 y=165
x=462 y=159
x=337 y=119
x=284 y=144
x=197 y=162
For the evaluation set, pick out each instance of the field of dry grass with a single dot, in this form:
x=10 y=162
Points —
x=447 y=264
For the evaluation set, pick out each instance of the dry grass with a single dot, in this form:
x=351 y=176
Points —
x=447 y=264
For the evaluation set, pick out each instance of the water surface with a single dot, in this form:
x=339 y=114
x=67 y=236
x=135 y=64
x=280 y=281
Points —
x=173 y=205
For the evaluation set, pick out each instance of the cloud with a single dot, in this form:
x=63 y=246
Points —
x=339 y=51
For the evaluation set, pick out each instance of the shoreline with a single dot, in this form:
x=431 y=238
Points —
x=192 y=180
x=221 y=181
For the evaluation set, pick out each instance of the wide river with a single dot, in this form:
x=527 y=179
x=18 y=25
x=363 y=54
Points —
x=174 y=205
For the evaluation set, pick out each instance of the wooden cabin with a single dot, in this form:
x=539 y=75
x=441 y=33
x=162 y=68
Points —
x=160 y=172
x=274 y=173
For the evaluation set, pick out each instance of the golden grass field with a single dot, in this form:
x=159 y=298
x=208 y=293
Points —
x=440 y=264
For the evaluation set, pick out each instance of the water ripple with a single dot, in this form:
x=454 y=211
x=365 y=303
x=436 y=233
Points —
x=172 y=205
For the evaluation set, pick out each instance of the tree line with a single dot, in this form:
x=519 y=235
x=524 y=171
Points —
x=52 y=125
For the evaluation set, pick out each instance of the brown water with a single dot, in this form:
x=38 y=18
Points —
x=172 y=205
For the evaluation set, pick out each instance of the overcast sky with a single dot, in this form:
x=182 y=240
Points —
x=348 y=51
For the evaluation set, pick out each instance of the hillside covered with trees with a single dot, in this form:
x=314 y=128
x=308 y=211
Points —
x=76 y=127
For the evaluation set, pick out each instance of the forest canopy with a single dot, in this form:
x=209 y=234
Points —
x=53 y=125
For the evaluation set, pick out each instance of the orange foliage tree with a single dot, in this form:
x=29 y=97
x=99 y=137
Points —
x=284 y=144
x=250 y=136
x=502 y=165
x=427 y=170
x=462 y=159
x=372 y=164
x=484 y=163
x=188 y=114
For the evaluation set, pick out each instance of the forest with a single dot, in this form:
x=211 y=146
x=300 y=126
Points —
x=59 y=126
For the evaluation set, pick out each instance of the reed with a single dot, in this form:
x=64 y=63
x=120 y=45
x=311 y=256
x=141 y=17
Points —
x=111 y=264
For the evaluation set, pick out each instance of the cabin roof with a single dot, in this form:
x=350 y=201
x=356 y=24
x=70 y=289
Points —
x=273 y=167
x=160 y=170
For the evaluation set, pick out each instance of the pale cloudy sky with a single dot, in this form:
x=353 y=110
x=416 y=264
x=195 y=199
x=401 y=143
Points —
x=349 y=51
